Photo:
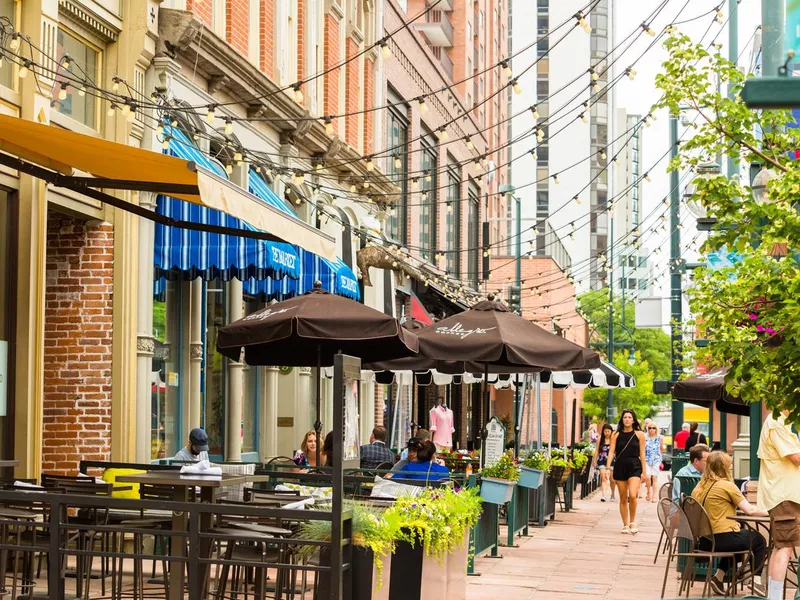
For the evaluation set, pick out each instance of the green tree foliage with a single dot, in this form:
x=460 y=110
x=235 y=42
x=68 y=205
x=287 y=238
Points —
x=641 y=398
x=750 y=311
x=652 y=344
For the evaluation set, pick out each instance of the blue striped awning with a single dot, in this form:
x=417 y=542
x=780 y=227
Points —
x=182 y=147
x=260 y=189
x=187 y=254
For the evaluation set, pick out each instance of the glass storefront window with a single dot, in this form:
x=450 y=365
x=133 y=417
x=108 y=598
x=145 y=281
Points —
x=252 y=390
x=86 y=60
x=213 y=380
x=166 y=378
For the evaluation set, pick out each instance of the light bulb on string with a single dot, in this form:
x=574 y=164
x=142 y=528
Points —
x=577 y=199
x=62 y=93
x=397 y=163
x=443 y=135
x=415 y=183
x=422 y=106
x=210 y=114
x=165 y=143
x=115 y=84
x=24 y=69
x=81 y=91
x=515 y=85
x=298 y=93
x=366 y=184
x=647 y=177
x=13 y=45
x=126 y=109
x=595 y=87
x=228 y=168
x=111 y=110
x=584 y=118
x=237 y=157
x=555 y=179
x=534 y=154
x=131 y=116
x=160 y=130
x=507 y=69
x=228 y=126
x=646 y=28
x=353 y=188
x=428 y=176
x=539 y=135
x=370 y=165
x=67 y=62
x=534 y=112
x=301 y=177
x=329 y=126
x=469 y=143
x=603 y=155
x=318 y=167
x=615 y=160
x=386 y=52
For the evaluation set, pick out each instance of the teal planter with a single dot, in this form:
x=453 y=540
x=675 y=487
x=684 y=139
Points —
x=497 y=491
x=530 y=478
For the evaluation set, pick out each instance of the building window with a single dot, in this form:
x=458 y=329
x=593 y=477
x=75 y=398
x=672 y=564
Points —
x=398 y=146
x=8 y=9
x=453 y=222
x=542 y=203
x=473 y=239
x=85 y=59
x=428 y=197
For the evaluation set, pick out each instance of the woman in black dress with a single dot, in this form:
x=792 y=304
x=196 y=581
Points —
x=627 y=446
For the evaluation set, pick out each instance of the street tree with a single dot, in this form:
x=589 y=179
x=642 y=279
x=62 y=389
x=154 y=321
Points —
x=640 y=398
x=750 y=311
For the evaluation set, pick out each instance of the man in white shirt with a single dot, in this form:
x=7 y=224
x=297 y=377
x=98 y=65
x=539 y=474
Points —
x=197 y=448
x=779 y=493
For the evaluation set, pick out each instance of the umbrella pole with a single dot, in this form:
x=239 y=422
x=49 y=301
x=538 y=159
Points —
x=486 y=403
x=516 y=416
x=318 y=422
x=538 y=411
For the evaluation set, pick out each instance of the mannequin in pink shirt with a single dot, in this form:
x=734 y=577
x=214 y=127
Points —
x=441 y=426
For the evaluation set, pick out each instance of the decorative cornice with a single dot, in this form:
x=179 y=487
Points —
x=98 y=25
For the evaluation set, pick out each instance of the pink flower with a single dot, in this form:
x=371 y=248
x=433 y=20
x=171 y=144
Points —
x=753 y=316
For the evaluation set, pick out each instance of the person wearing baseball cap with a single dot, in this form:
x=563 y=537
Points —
x=197 y=448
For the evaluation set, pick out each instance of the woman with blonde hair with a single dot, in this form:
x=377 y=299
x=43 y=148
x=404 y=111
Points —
x=306 y=457
x=720 y=497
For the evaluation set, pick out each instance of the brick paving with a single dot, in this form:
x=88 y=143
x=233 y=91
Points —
x=581 y=554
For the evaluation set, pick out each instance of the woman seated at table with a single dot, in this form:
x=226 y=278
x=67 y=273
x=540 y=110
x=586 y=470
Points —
x=717 y=493
x=306 y=457
x=425 y=466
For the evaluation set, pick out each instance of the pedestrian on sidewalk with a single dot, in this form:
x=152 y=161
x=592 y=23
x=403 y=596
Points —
x=600 y=460
x=779 y=493
x=679 y=438
x=627 y=446
x=652 y=454
x=720 y=497
x=695 y=437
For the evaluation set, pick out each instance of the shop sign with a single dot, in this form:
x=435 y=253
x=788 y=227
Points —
x=495 y=443
x=285 y=421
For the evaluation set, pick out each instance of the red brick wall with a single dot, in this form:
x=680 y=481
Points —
x=369 y=91
x=267 y=37
x=202 y=8
x=351 y=94
x=237 y=24
x=77 y=355
x=331 y=58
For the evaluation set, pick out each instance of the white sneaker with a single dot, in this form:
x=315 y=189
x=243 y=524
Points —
x=634 y=529
x=626 y=529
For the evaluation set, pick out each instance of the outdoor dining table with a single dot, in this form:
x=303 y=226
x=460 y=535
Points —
x=757 y=524
x=181 y=484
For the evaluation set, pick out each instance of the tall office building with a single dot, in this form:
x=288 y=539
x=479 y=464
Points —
x=570 y=187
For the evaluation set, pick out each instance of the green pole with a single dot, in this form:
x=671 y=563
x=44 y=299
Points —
x=610 y=400
x=676 y=290
x=518 y=266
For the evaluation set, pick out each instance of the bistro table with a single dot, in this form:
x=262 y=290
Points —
x=181 y=484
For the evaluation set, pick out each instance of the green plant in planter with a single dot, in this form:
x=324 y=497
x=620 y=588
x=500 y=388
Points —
x=579 y=461
x=537 y=460
x=437 y=519
x=370 y=530
x=505 y=468
x=558 y=463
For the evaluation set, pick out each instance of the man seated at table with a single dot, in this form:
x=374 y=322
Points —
x=424 y=467
x=421 y=436
x=698 y=454
x=376 y=453
x=196 y=449
x=779 y=493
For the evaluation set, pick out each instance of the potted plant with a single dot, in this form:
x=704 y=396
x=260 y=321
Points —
x=533 y=469
x=373 y=543
x=498 y=480
x=431 y=533
x=558 y=468
x=579 y=462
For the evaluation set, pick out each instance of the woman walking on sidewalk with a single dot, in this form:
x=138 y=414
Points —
x=627 y=445
x=600 y=460
x=652 y=455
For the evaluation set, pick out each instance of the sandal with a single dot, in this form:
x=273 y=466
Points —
x=634 y=529
x=626 y=529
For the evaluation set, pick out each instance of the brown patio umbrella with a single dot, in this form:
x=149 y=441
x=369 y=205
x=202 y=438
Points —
x=489 y=335
x=709 y=389
x=309 y=330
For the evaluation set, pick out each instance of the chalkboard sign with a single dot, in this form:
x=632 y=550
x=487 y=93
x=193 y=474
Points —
x=495 y=443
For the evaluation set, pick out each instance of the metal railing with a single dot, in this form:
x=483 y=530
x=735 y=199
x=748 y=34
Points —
x=59 y=530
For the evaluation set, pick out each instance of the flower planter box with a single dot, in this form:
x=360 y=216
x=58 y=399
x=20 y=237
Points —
x=364 y=578
x=410 y=567
x=497 y=491
x=530 y=478
x=556 y=473
x=456 y=565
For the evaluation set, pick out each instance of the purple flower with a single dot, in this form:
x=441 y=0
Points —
x=753 y=316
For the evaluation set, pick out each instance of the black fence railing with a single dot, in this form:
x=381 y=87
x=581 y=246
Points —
x=55 y=526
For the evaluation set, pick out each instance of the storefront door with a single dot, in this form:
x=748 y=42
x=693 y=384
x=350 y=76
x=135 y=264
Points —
x=7 y=321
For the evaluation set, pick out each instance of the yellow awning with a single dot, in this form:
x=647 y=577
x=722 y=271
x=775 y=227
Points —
x=65 y=152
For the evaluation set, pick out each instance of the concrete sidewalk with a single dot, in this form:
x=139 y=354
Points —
x=582 y=554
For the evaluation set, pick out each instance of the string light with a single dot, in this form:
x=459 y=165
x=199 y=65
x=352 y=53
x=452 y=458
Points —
x=67 y=64
x=210 y=114
x=397 y=163
x=81 y=91
x=164 y=144
x=13 y=45
x=115 y=84
x=370 y=164
x=110 y=111
x=534 y=112
x=507 y=68
x=126 y=109
x=555 y=179
x=647 y=177
x=428 y=176
x=385 y=50
x=228 y=168
x=595 y=87
x=298 y=93
x=534 y=154
x=24 y=69
x=328 y=125
x=228 y=126
x=443 y=135
x=62 y=93
x=584 y=118
x=577 y=199
x=603 y=154
x=583 y=22
x=630 y=73
x=422 y=106
x=515 y=85
x=468 y=142
x=646 y=28
x=353 y=188
x=415 y=183
x=131 y=116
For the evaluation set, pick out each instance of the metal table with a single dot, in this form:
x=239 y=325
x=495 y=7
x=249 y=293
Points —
x=181 y=484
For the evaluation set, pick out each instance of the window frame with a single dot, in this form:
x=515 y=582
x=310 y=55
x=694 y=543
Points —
x=398 y=224
x=428 y=207
x=96 y=126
